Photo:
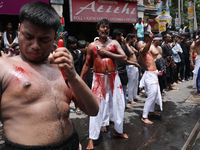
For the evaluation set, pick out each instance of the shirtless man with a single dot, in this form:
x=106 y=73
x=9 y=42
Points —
x=106 y=83
x=149 y=80
x=34 y=97
x=132 y=70
x=156 y=51
x=195 y=50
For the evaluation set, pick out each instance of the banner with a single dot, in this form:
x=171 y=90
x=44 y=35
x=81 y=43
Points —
x=162 y=26
x=163 y=17
x=12 y=7
x=95 y=10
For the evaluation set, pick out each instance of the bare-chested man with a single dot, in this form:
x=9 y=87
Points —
x=34 y=96
x=195 y=50
x=132 y=70
x=149 y=80
x=156 y=51
x=106 y=83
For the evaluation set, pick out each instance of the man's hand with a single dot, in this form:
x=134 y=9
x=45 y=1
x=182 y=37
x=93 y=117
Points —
x=160 y=73
x=64 y=60
x=102 y=52
x=151 y=35
x=5 y=55
x=123 y=40
x=137 y=65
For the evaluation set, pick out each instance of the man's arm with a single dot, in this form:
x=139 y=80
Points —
x=148 y=44
x=88 y=61
x=192 y=50
x=81 y=92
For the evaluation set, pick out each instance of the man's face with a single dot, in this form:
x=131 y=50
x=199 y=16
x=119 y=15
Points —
x=35 y=42
x=158 y=42
x=104 y=30
x=9 y=26
x=169 y=38
x=73 y=46
x=17 y=50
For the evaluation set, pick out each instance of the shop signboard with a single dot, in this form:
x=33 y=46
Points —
x=95 y=10
x=12 y=7
x=163 y=17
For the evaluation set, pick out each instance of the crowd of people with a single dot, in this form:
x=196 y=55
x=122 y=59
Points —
x=35 y=100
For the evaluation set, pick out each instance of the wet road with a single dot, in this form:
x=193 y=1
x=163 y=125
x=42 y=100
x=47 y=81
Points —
x=170 y=131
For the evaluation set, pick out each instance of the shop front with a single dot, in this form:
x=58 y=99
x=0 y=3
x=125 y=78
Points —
x=81 y=17
x=9 y=10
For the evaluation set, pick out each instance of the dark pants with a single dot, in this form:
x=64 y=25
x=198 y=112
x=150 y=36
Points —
x=70 y=144
x=185 y=66
x=176 y=71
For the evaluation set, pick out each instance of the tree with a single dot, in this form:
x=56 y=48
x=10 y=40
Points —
x=174 y=11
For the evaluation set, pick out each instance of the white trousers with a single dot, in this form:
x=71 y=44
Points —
x=133 y=80
x=195 y=71
x=109 y=93
x=150 y=82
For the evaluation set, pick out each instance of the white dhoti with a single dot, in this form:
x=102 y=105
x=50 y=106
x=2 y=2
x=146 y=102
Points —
x=195 y=71
x=150 y=82
x=109 y=93
x=133 y=80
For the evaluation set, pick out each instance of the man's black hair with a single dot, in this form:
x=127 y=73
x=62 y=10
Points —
x=116 y=32
x=40 y=14
x=71 y=40
x=103 y=21
x=15 y=45
x=130 y=36
x=81 y=44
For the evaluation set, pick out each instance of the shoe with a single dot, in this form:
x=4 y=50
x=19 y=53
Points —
x=182 y=80
x=188 y=79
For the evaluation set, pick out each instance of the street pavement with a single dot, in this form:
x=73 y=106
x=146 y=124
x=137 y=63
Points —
x=170 y=131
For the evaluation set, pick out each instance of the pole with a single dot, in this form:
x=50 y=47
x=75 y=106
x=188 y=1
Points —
x=182 y=19
x=179 y=9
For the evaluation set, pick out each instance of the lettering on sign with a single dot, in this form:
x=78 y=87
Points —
x=1 y=4
x=93 y=10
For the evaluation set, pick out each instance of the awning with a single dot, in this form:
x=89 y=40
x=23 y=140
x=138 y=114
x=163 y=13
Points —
x=12 y=7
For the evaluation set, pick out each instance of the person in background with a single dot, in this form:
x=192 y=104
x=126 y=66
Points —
x=149 y=80
x=132 y=70
x=72 y=47
x=106 y=83
x=156 y=52
x=148 y=26
x=176 y=53
x=140 y=29
x=185 y=58
x=10 y=37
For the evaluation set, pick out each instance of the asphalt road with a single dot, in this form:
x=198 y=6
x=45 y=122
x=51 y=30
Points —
x=170 y=131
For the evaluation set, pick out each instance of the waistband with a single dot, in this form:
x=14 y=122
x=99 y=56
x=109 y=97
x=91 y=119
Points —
x=106 y=73
x=72 y=143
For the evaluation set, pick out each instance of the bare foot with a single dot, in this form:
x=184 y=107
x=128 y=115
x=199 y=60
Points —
x=163 y=101
x=137 y=99
x=153 y=114
x=122 y=135
x=128 y=107
x=173 y=89
x=90 y=144
x=146 y=120
x=103 y=129
x=198 y=94
x=132 y=102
